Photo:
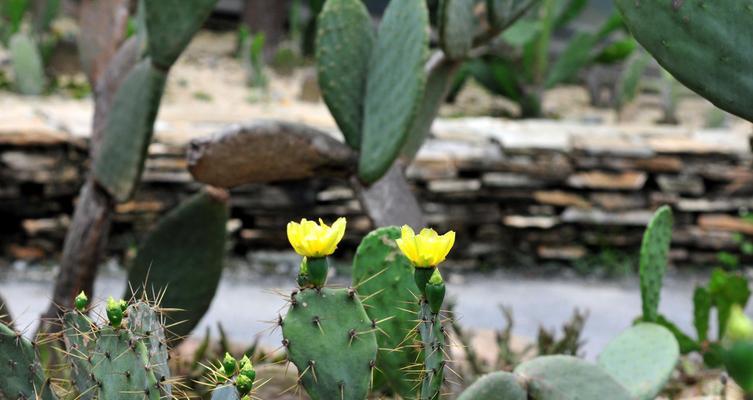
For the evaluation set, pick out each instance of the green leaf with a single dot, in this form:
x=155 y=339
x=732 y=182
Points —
x=577 y=54
x=569 y=11
x=521 y=32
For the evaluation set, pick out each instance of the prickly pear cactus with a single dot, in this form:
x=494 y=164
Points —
x=146 y=325
x=395 y=85
x=79 y=336
x=704 y=44
x=502 y=13
x=129 y=130
x=21 y=374
x=566 y=377
x=344 y=41
x=653 y=261
x=496 y=385
x=225 y=392
x=457 y=24
x=171 y=24
x=331 y=340
x=28 y=70
x=433 y=351
x=384 y=277
x=121 y=367
x=641 y=359
x=182 y=259
x=437 y=85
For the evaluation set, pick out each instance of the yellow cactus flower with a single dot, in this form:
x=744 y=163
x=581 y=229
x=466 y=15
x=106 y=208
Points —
x=315 y=241
x=427 y=249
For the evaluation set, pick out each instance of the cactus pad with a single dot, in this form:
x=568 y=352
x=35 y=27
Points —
x=121 y=367
x=79 y=336
x=704 y=44
x=502 y=13
x=566 y=377
x=494 y=386
x=184 y=255
x=437 y=85
x=330 y=338
x=129 y=130
x=28 y=70
x=171 y=24
x=225 y=392
x=345 y=38
x=383 y=274
x=146 y=324
x=433 y=348
x=395 y=85
x=653 y=260
x=642 y=359
x=456 y=27
x=21 y=374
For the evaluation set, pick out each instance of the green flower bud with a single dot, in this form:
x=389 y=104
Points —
x=81 y=301
x=114 y=312
x=229 y=364
x=247 y=369
x=123 y=305
x=739 y=326
x=244 y=385
x=303 y=275
x=317 y=269
x=435 y=291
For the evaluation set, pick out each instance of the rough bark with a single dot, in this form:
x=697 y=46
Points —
x=90 y=227
x=390 y=201
x=103 y=25
x=268 y=151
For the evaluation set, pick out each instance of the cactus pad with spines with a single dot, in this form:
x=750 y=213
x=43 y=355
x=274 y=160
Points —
x=494 y=386
x=457 y=24
x=395 y=85
x=145 y=323
x=225 y=392
x=704 y=44
x=21 y=374
x=331 y=340
x=121 y=367
x=567 y=377
x=382 y=274
x=345 y=38
x=182 y=257
x=433 y=348
x=653 y=261
x=129 y=130
x=171 y=24
x=641 y=359
x=79 y=336
x=28 y=70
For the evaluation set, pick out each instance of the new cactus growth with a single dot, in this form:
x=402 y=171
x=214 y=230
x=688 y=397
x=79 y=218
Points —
x=494 y=386
x=426 y=250
x=114 y=312
x=27 y=65
x=234 y=380
x=653 y=261
x=81 y=301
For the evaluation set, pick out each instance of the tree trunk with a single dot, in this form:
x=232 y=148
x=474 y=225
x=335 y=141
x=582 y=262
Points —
x=90 y=228
x=269 y=17
x=390 y=201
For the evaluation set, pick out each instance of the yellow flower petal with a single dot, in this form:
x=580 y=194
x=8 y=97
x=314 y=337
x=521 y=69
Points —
x=427 y=249
x=310 y=239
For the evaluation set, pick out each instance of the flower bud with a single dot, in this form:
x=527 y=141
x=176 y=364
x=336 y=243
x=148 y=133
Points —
x=81 y=301
x=114 y=312
x=229 y=364
x=739 y=326
x=244 y=384
x=435 y=291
